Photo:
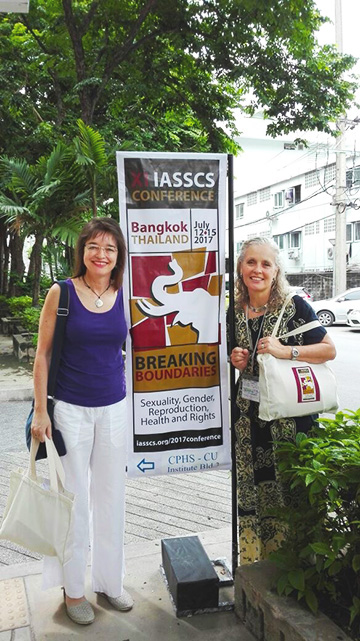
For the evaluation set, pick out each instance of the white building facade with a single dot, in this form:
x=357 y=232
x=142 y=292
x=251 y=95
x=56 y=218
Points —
x=285 y=191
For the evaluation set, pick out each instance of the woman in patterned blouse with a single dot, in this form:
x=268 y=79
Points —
x=261 y=289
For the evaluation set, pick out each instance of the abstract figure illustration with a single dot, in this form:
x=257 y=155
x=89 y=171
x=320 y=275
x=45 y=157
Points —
x=197 y=308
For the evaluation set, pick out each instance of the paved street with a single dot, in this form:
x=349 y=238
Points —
x=347 y=365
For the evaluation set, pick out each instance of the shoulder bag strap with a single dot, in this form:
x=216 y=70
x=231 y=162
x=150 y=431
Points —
x=302 y=329
x=61 y=318
x=299 y=330
x=277 y=324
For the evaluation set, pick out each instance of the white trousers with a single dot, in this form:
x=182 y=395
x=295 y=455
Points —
x=95 y=469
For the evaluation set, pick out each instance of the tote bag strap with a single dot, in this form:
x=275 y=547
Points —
x=277 y=324
x=55 y=466
x=299 y=330
x=56 y=470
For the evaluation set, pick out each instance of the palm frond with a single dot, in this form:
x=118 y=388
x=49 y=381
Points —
x=83 y=199
x=90 y=146
x=68 y=231
x=45 y=190
x=54 y=165
x=18 y=174
x=81 y=157
x=11 y=210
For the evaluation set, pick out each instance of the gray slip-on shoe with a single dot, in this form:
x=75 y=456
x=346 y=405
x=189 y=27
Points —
x=83 y=614
x=123 y=603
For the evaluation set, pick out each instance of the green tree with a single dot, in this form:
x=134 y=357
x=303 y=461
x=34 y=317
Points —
x=165 y=74
x=48 y=200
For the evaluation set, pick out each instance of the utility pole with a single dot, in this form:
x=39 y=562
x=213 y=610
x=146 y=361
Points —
x=339 y=275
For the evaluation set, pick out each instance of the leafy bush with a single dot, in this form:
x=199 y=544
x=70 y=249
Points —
x=21 y=306
x=18 y=303
x=19 y=284
x=30 y=318
x=45 y=284
x=320 y=559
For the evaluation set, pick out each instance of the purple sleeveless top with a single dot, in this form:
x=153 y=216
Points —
x=91 y=371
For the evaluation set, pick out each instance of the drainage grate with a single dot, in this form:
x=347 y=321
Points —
x=13 y=606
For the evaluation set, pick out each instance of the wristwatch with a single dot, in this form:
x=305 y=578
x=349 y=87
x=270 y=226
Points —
x=294 y=353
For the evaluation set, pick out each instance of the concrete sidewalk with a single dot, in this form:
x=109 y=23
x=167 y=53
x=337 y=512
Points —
x=29 y=614
x=159 y=507
x=15 y=378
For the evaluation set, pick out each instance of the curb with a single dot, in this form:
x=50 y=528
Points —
x=270 y=617
x=25 y=393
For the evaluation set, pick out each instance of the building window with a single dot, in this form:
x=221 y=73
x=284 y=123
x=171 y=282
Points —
x=312 y=228
x=311 y=179
x=279 y=200
x=252 y=198
x=238 y=248
x=357 y=231
x=264 y=194
x=293 y=195
x=329 y=174
x=353 y=177
x=239 y=211
x=295 y=239
x=291 y=146
x=279 y=240
x=348 y=233
x=329 y=224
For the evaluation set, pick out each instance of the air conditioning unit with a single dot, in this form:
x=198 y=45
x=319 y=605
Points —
x=330 y=253
x=294 y=253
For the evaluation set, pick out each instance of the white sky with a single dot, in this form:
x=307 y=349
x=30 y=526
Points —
x=350 y=29
x=255 y=161
x=351 y=18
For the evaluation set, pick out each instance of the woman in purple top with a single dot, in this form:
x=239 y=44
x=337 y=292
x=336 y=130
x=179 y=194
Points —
x=90 y=411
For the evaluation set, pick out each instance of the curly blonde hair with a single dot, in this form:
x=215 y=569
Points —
x=280 y=286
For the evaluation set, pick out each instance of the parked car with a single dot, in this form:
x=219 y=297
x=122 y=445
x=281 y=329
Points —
x=301 y=291
x=334 y=310
x=353 y=316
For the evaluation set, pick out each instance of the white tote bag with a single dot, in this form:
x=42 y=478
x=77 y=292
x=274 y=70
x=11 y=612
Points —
x=294 y=388
x=38 y=514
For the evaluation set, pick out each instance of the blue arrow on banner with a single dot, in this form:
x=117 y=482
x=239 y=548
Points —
x=145 y=465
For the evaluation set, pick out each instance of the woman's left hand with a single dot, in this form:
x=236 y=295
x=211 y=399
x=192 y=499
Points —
x=271 y=345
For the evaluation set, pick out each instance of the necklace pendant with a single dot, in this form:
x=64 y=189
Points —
x=99 y=302
x=257 y=310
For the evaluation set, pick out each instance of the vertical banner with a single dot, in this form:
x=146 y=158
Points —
x=173 y=215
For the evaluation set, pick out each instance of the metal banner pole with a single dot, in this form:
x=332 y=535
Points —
x=232 y=344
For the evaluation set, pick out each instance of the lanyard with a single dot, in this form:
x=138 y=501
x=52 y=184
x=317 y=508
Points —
x=252 y=347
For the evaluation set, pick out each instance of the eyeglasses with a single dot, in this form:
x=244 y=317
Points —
x=96 y=249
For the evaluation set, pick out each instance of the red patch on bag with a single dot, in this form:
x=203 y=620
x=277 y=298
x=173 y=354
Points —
x=308 y=389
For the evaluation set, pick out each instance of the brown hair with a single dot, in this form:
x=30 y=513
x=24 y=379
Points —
x=92 y=229
x=280 y=286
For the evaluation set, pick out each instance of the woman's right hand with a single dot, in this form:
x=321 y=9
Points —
x=239 y=358
x=41 y=426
